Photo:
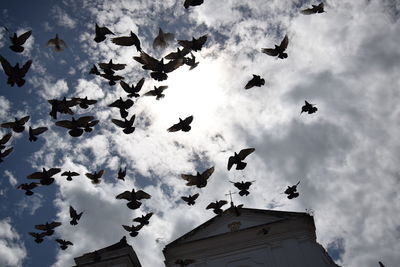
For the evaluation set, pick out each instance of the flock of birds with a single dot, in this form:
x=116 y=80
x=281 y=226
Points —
x=77 y=126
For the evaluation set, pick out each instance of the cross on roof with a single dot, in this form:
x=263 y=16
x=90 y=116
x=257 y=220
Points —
x=230 y=195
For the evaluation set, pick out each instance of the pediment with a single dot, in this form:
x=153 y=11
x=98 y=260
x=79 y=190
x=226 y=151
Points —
x=228 y=222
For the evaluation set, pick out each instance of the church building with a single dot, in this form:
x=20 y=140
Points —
x=242 y=237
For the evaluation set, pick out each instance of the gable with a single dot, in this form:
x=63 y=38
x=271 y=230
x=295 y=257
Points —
x=228 y=221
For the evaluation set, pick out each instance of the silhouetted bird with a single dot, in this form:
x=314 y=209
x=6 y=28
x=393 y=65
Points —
x=94 y=70
x=4 y=140
x=255 y=81
x=48 y=227
x=69 y=175
x=190 y=200
x=133 y=197
x=127 y=125
x=128 y=41
x=76 y=126
x=110 y=67
x=381 y=264
x=185 y=262
x=57 y=43
x=243 y=187
x=17 y=125
x=188 y=3
x=178 y=54
x=216 y=206
x=101 y=33
x=191 y=61
x=112 y=79
x=28 y=188
x=122 y=105
x=39 y=237
x=18 y=41
x=157 y=92
x=15 y=74
x=88 y=127
x=84 y=102
x=5 y=153
x=95 y=177
x=182 y=125
x=162 y=39
x=121 y=174
x=291 y=191
x=132 y=90
x=236 y=209
x=64 y=244
x=309 y=108
x=278 y=50
x=199 y=180
x=158 y=67
x=194 y=44
x=144 y=219
x=45 y=176
x=237 y=158
x=34 y=132
x=314 y=9
x=133 y=230
x=62 y=106
x=75 y=217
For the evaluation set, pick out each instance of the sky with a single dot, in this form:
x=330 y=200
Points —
x=346 y=61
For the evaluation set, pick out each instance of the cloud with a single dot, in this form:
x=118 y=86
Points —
x=12 y=250
x=63 y=18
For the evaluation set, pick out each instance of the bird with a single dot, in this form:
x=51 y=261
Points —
x=313 y=10
x=144 y=219
x=278 y=50
x=18 y=41
x=188 y=3
x=69 y=175
x=191 y=61
x=39 y=237
x=238 y=158
x=47 y=228
x=45 y=176
x=15 y=74
x=243 y=187
x=5 y=153
x=236 y=209
x=291 y=191
x=28 y=188
x=133 y=197
x=158 y=67
x=182 y=125
x=110 y=67
x=255 y=81
x=57 y=43
x=121 y=174
x=134 y=230
x=84 y=102
x=122 y=105
x=309 y=108
x=199 y=180
x=157 y=92
x=4 y=140
x=132 y=90
x=101 y=33
x=75 y=217
x=190 y=200
x=194 y=44
x=64 y=244
x=17 y=125
x=216 y=206
x=94 y=70
x=178 y=54
x=185 y=262
x=128 y=41
x=162 y=39
x=34 y=132
x=88 y=126
x=95 y=177
x=127 y=125
x=76 y=126
x=62 y=106
x=111 y=78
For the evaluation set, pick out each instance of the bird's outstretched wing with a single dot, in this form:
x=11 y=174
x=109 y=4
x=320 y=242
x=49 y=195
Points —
x=125 y=195
x=284 y=43
x=142 y=195
x=22 y=38
x=6 y=66
x=270 y=51
x=245 y=152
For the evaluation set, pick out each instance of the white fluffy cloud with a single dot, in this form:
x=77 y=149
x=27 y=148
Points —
x=12 y=250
